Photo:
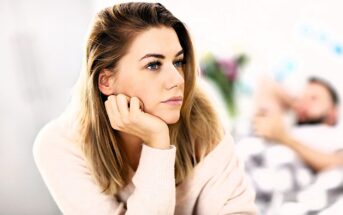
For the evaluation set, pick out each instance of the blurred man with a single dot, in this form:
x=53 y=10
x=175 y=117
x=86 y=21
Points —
x=317 y=105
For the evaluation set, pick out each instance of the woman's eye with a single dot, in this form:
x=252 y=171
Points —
x=154 y=65
x=179 y=63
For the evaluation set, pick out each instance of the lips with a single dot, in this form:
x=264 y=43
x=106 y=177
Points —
x=175 y=99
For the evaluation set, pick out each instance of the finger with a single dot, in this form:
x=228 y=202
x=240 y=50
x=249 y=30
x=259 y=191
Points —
x=262 y=112
x=112 y=110
x=122 y=104
x=259 y=128
x=111 y=106
x=260 y=133
x=256 y=131
x=257 y=120
x=135 y=105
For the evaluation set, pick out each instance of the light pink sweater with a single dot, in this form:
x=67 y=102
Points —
x=216 y=186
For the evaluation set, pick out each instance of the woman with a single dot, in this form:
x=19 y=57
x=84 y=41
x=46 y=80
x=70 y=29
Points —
x=140 y=138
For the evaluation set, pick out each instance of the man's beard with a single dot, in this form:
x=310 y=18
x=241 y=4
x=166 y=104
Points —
x=313 y=121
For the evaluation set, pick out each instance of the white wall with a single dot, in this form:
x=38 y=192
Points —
x=40 y=58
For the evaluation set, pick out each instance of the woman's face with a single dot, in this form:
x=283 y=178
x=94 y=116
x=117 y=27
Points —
x=152 y=70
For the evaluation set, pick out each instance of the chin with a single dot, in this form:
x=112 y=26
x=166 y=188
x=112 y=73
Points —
x=171 y=119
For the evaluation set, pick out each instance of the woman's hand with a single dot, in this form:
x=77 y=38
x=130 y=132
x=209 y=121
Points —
x=126 y=114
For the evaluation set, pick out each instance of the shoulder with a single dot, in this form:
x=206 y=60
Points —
x=55 y=142
x=49 y=133
x=225 y=147
x=66 y=172
x=221 y=155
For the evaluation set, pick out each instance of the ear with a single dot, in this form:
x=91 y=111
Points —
x=332 y=117
x=106 y=82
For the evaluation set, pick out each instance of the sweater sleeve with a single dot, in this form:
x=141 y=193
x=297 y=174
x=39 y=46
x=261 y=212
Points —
x=70 y=182
x=154 y=182
x=227 y=190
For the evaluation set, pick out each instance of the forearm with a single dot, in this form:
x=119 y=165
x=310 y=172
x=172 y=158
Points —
x=271 y=97
x=317 y=160
x=160 y=141
x=284 y=98
x=280 y=94
x=154 y=183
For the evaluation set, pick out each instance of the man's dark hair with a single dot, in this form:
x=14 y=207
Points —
x=332 y=92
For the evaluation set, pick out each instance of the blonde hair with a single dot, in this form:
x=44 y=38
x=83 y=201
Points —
x=198 y=128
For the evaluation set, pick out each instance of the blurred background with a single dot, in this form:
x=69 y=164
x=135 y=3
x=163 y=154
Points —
x=41 y=54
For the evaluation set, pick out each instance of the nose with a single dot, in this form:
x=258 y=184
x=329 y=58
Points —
x=174 y=78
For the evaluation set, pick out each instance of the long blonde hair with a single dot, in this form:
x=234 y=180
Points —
x=198 y=128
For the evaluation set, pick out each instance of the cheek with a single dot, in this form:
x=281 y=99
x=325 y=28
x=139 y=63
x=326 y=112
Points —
x=150 y=99
x=131 y=85
x=147 y=93
x=317 y=110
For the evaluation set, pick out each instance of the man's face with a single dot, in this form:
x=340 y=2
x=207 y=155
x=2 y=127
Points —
x=314 y=105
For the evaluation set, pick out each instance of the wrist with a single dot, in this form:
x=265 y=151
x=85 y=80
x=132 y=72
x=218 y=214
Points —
x=160 y=141
x=286 y=139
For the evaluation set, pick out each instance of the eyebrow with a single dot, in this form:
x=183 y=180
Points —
x=159 y=55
